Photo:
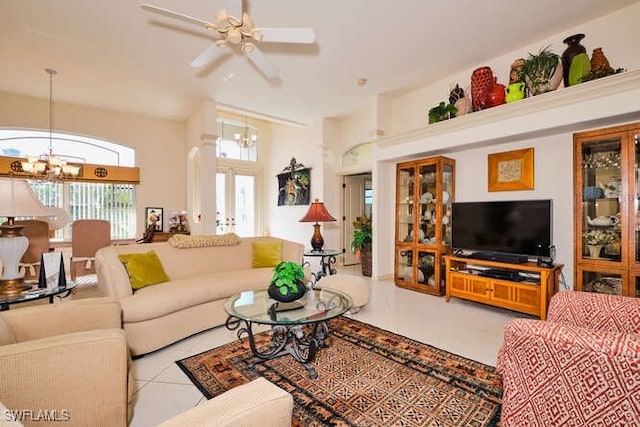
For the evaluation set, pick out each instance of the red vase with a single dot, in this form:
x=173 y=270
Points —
x=495 y=95
x=481 y=81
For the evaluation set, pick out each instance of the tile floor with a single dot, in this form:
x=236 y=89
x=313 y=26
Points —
x=462 y=327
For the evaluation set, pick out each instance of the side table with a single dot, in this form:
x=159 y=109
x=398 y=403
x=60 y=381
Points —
x=36 y=294
x=327 y=262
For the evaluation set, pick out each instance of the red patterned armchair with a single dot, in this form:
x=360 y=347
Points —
x=580 y=367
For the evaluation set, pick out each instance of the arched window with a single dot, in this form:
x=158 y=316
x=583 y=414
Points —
x=114 y=202
x=237 y=141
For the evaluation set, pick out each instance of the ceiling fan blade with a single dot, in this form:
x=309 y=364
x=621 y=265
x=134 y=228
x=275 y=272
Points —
x=234 y=11
x=208 y=55
x=287 y=35
x=263 y=64
x=176 y=15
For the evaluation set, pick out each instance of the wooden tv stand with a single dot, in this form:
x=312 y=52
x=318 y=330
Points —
x=530 y=296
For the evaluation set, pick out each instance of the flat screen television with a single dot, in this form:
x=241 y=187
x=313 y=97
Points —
x=521 y=227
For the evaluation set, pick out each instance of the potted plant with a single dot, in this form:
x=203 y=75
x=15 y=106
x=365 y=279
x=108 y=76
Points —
x=361 y=244
x=542 y=72
x=287 y=282
x=442 y=112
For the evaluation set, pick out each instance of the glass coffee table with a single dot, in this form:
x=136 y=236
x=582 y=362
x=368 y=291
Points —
x=298 y=328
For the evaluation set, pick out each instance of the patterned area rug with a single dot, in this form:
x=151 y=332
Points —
x=366 y=377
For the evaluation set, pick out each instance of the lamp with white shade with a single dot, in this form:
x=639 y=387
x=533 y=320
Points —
x=17 y=199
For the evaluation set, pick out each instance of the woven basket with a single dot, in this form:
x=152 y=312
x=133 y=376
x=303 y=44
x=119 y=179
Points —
x=365 y=260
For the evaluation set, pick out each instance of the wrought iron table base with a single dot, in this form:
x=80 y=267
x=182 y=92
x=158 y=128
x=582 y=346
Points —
x=286 y=339
x=327 y=268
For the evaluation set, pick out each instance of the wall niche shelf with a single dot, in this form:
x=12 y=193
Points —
x=606 y=101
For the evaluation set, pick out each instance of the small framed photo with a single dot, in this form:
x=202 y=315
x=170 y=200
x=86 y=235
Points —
x=511 y=170
x=154 y=218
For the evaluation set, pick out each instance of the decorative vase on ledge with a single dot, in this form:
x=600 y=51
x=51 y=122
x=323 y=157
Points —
x=594 y=250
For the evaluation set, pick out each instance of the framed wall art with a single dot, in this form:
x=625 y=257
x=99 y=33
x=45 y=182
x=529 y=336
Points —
x=154 y=218
x=511 y=170
x=294 y=185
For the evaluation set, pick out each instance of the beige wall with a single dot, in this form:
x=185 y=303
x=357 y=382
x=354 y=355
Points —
x=160 y=144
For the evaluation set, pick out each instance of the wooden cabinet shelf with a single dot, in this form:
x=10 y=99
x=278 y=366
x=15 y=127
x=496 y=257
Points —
x=530 y=295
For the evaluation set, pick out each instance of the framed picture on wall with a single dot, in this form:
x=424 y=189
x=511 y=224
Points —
x=154 y=218
x=511 y=170
x=294 y=185
x=294 y=188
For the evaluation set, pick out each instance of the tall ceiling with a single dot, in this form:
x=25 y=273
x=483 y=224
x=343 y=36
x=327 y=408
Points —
x=112 y=54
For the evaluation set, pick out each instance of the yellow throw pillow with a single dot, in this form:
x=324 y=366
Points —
x=266 y=253
x=144 y=269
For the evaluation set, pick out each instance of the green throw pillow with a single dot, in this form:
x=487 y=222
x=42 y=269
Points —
x=144 y=269
x=266 y=254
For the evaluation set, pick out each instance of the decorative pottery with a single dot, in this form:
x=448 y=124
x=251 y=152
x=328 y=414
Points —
x=514 y=73
x=594 y=250
x=573 y=48
x=592 y=193
x=273 y=292
x=494 y=95
x=604 y=285
x=580 y=67
x=481 y=81
x=537 y=88
x=463 y=105
x=603 y=221
x=598 y=60
x=455 y=94
x=612 y=189
x=514 y=92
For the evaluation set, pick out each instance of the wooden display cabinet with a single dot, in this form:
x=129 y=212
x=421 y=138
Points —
x=531 y=295
x=424 y=193
x=606 y=202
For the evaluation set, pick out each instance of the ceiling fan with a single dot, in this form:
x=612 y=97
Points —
x=235 y=27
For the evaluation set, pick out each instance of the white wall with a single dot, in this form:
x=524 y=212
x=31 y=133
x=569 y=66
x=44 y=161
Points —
x=288 y=142
x=160 y=144
x=617 y=34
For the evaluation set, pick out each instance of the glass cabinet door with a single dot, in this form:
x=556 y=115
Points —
x=612 y=283
x=602 y=207
x=426 y=268
x=427 y=213
x=405 y=204
x=404 y=265
x=635 y=215
x=447 y=199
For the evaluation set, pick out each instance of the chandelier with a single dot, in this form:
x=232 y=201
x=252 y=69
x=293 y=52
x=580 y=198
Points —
x=49 y=166
x=247 y=138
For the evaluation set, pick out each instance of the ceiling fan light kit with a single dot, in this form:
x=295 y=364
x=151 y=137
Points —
x=239 y=31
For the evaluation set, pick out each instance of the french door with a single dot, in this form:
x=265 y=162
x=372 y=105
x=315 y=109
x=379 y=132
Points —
x=236 y=197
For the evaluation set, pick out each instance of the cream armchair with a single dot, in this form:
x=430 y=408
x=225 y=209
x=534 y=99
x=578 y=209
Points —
x=258 y=403
x=67 y=361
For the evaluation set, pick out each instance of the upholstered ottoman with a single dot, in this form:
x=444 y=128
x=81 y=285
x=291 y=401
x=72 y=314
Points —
x=354 y=286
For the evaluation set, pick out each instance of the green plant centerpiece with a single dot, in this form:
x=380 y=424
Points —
x=542 y=72
x=287 y=282
x=362 y=241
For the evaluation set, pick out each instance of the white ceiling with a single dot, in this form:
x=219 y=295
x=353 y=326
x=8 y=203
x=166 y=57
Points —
x=112 y=54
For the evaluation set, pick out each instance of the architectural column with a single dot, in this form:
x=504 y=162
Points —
x=202 y=169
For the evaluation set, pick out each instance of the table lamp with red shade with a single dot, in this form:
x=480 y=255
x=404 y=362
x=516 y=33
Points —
x=317 y=213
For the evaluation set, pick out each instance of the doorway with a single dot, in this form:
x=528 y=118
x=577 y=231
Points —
x=357 y=200
x=236 y=202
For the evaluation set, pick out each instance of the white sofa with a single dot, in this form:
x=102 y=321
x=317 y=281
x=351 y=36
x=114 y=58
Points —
x=201 y=279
